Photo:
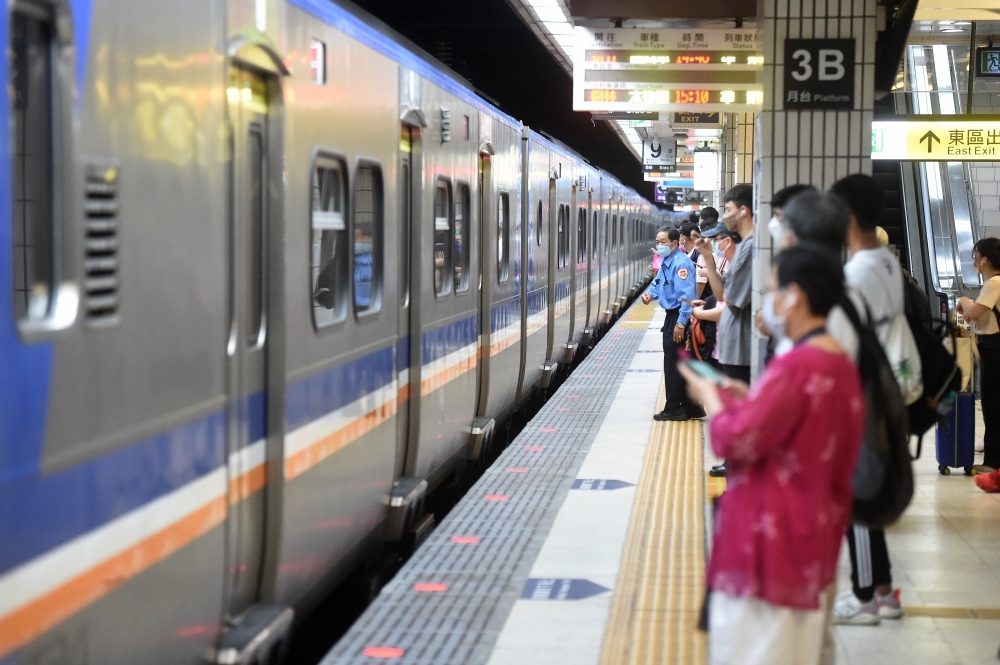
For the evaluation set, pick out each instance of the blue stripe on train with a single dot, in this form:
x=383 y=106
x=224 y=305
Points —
x=505 y=314
x=38 y=514
x=449 y=338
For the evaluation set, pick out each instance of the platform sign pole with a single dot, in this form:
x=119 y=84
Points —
x=697 y=70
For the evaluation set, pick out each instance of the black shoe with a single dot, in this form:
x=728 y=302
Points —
x=696 y=413
x=677 y=414
x=718 y=471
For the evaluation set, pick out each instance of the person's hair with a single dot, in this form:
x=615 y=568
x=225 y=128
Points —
x=818 y=217
x=663 y=229
x=863 y=196
x=709 y=214
x=687 y=228
x=674 y=235
x=816 y=270
x=740 y=195
x=783 y=196
x=989 y=248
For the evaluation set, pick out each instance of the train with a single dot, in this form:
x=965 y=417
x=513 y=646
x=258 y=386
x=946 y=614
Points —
x=270 y=275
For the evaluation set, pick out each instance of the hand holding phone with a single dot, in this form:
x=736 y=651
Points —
x=706 y=371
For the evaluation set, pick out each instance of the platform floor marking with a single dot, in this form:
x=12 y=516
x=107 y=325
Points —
x=661 y=583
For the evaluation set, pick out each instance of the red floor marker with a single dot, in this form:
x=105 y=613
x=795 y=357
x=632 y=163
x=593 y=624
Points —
x=383 y=652
x=534 y=448
x=515 y=470
x=596 y=365
x=465 y=540
x=496 y=497
x=547 y=429
x=430 y=587
x=572 y=397
x=562 y=408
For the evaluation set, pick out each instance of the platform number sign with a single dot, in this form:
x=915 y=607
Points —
x=659 y=153
x=819 y=74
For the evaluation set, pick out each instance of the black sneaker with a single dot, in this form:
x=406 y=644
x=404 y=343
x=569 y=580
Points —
x=696 y=413
x=718 y=471
x=677 y=413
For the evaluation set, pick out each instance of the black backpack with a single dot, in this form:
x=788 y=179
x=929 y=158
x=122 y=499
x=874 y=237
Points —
x=883 y=476
x=941 y=375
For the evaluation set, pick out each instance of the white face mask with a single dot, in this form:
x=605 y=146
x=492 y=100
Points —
x=775 y=322
x=777 y=231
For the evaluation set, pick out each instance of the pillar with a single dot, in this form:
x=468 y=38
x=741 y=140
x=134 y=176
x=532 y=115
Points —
x=812 y=147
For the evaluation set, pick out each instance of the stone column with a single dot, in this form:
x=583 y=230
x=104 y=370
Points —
x=813 y=147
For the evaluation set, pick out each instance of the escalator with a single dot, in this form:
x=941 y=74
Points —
x=930 y=215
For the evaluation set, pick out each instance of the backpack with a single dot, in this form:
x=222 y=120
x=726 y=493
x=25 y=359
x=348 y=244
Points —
x=941 y=375
x=883 y=476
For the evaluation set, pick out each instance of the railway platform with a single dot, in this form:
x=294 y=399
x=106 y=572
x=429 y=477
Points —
x=586 y=542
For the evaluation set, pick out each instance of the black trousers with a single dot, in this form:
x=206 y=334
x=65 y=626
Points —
x=674 y=384
x=738 y=372
x=869 y=560
x=989 y=392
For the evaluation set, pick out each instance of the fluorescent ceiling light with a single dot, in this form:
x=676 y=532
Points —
x=549 y=14
x=560 y=28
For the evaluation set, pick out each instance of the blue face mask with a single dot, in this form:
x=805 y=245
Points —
x=664 y=251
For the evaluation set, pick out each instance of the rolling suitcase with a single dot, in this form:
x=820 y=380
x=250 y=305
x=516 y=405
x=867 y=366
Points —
x=956 y=434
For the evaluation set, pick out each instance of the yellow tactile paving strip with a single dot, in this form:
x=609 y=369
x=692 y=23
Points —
x=661 y=583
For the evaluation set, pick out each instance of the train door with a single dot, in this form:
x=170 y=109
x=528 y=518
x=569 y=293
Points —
x=485 y=285
x=254 y=222
x=409 y=143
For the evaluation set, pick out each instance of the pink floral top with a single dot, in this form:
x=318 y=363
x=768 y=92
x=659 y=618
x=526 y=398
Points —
x=790 y=446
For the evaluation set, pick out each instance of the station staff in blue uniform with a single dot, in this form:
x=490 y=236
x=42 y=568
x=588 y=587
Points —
x=674 y=287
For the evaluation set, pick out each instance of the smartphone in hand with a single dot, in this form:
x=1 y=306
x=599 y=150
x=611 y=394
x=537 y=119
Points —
x=706 y=371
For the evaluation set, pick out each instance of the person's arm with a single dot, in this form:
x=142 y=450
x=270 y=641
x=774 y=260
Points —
x=751 y=429
x=687 y=291
x=653 y=292
x=740 y=279
x=714 y=314
x=704 y=246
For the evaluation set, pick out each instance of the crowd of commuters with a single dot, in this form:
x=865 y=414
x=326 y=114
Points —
x=793 y=439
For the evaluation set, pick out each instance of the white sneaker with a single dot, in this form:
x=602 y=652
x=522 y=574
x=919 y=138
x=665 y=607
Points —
x=849 y=611
x=888 y=605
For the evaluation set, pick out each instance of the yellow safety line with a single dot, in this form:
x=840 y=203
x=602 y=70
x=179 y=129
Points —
x=952 y=612
x=661 y=583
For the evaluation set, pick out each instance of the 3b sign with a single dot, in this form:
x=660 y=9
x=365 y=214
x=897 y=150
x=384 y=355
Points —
x=819 y=74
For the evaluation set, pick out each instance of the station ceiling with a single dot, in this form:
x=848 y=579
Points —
x=491 y=46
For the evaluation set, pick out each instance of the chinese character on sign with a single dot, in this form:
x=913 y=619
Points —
x=699 y=36
x=956 y=137
x=793 y=96
x=686 y=37
x=727 y=96
x=975 y=137
x=993 y=137
x=654 y=37
x=755 y=97
x=737 y=38
x=611 y=36
x=598 y=36
x=644 y=37
x=728 y=37
x=805 y=97
x=662 y=96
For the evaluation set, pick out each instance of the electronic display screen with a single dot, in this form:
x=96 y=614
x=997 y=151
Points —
x=678 y=96
x=633 y=57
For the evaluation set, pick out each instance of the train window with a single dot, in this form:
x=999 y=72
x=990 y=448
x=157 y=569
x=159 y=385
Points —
x=465 y=127
x=538 y=224
x=366 y=222
x=32 y=39
x=581 y=234
x=561 y=236
x=329 y=241
x=503 y=237
x=463 y=226
x=621 y=233
x=442 y=238
x=614 y=233
x=606 y=235
x=593 y=240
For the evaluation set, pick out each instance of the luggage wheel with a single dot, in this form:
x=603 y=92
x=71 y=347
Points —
x=945 y=471
x=968 y=471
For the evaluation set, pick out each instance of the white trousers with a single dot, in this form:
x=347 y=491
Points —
x=750 y=631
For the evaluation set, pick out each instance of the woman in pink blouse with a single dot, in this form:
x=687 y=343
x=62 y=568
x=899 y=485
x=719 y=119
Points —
x=791 y=443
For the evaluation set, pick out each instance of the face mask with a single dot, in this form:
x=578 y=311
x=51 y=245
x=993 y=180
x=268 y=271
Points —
x=775 y=322
x=777 y=231
x=664 y=250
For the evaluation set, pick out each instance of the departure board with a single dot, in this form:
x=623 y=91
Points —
x=650 y=69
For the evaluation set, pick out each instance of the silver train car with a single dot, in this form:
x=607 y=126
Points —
x=269 y=277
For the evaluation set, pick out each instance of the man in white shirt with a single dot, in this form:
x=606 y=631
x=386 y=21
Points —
x=875 y=284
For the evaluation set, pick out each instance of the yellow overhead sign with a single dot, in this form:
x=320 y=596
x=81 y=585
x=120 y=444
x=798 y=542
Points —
x=954 y=138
